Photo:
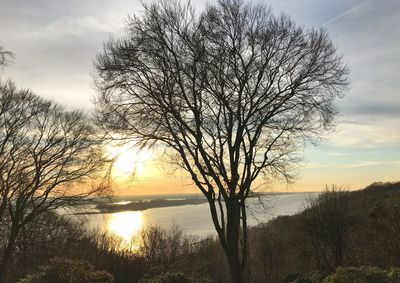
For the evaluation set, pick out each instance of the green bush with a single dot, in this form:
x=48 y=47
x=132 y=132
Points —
x=358 y=275
x=394 y=275
x=167 y=277
x=296 y=277
x=317 y=276
x=62 y=270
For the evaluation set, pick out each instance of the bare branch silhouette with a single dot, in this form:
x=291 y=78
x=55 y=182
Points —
x=48 y=159
x=233 y=91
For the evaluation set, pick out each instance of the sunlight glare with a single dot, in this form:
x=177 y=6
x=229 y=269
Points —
x=126 y=224
x=129 y=161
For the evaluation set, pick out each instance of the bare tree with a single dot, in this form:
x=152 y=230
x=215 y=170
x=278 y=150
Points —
x=231 y=93
x=48 y=157
x=162 y=249
x=327 y=222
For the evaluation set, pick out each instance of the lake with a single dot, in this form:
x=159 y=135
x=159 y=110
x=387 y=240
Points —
x=194 y=220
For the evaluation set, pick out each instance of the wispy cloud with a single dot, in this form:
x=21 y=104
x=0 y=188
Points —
x=377 y=132
x=78 y=26
x=367 y=163
x=348 y=12
x=358 y=164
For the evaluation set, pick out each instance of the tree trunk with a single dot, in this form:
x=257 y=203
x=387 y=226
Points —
x=7 y=257
x=233 y=246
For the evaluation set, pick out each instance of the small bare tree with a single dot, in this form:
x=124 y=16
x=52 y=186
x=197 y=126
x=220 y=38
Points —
x=327 y=222
x=47 y=158
x=232 y=93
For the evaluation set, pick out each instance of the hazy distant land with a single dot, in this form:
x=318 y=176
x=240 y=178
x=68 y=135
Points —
x=143 y=205
x=138 y=203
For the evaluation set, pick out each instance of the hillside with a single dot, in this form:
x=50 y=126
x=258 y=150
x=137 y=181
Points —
x=337 y=229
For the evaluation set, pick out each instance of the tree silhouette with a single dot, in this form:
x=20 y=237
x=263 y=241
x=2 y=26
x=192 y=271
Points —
x=47 y=158
x=327 y=222
x=231 y=93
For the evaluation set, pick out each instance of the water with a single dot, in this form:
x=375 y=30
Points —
x=192 y=220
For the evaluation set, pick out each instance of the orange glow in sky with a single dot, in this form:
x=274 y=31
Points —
x=142 y=173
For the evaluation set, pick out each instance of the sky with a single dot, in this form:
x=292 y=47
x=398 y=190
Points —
x=55 y=43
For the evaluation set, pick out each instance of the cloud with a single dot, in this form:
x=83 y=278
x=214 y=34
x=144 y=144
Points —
x=357 y=164
x=353 y=122
x=368 y=163
x=55 y=43
x=375 y=133
x=77 y=27
x=352 y=10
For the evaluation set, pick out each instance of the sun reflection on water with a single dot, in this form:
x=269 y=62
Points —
x=126 y=225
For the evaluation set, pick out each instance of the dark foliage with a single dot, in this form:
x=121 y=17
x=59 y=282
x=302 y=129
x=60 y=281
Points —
x=62 y=270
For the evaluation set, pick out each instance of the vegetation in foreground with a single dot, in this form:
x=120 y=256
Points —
x=339 y=237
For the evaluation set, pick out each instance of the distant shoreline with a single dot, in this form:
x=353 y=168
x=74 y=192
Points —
x=134 y=203
x=143 y=205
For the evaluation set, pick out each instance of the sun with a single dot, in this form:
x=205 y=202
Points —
x=125 y=164
x=128 y=160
